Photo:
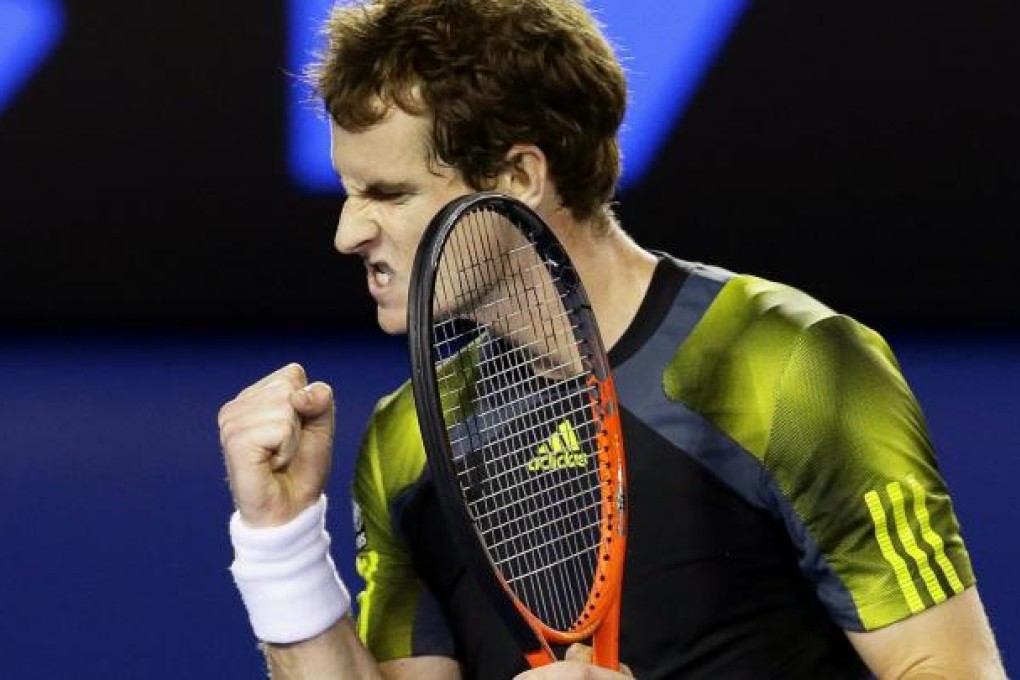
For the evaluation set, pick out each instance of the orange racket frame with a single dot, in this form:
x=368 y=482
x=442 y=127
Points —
x=599 y=620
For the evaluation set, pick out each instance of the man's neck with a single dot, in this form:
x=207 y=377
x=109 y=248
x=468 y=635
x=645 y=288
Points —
x=616 y=273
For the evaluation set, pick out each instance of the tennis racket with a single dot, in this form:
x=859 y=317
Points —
x=519 y=417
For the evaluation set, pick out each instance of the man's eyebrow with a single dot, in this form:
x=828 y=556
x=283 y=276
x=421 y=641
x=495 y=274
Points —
x=383 y=187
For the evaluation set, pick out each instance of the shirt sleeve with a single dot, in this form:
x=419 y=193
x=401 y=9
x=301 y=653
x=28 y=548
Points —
x=850 y=454
x=398 y=616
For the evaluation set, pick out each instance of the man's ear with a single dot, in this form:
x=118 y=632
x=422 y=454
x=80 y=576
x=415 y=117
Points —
x=525 y=175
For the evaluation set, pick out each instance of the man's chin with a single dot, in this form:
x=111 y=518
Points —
x=391 y=322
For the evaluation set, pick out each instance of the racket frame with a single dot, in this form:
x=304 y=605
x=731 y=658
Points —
x=601 y=614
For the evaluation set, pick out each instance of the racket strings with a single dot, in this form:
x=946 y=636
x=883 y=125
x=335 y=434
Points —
x=516 y=402
x=464 y=336
x=579 y=510
x=489 y=363
x=541 y=526
x=497 y=447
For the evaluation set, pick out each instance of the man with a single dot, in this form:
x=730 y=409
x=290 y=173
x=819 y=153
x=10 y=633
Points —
x=787 y=516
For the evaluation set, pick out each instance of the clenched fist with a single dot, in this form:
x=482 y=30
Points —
x=277 y=439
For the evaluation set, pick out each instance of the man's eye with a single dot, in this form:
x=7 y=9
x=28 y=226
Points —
x=391 y=196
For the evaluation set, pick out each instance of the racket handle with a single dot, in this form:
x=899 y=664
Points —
x=540 y=657
x=606 y=640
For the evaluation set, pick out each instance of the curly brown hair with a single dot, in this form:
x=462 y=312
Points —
x=491 y=74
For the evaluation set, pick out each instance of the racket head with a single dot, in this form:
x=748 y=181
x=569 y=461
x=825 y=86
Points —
x=519 y=418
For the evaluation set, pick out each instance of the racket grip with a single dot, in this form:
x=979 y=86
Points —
x=606 y=640
x=540 y=657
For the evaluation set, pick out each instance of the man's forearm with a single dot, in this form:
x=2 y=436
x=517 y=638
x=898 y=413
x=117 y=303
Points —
x=949 y=641
x=336 y=653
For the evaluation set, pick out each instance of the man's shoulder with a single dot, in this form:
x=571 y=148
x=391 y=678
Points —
x=395 y=406
x=393 y=424
x=392 y=455
x=745 y=301
x=748 y=298
x=743 y=318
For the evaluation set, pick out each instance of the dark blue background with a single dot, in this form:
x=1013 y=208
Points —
x=155 y=257
x=113 y=504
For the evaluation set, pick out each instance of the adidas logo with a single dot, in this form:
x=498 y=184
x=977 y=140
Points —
x=561 y=450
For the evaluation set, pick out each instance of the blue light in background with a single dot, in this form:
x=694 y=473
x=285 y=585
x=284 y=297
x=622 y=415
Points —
x=666 y=47
x=307 y=129
x=29 y=29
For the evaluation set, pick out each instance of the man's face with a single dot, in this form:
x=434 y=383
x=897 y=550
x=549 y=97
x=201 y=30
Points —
x=392 y=193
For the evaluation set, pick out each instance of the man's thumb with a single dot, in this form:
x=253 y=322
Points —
x=314 y=403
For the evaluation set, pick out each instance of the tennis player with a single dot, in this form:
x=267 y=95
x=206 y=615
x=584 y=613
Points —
x=787 y=514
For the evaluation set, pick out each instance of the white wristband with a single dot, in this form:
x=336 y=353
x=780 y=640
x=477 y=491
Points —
x=287 y=579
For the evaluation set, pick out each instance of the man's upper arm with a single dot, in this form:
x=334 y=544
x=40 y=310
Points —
x=950 y=640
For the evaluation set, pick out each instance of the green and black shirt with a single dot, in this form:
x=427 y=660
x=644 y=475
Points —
x=782 y=489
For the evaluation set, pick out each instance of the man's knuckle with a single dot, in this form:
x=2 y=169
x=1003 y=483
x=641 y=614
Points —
x=223 y=415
